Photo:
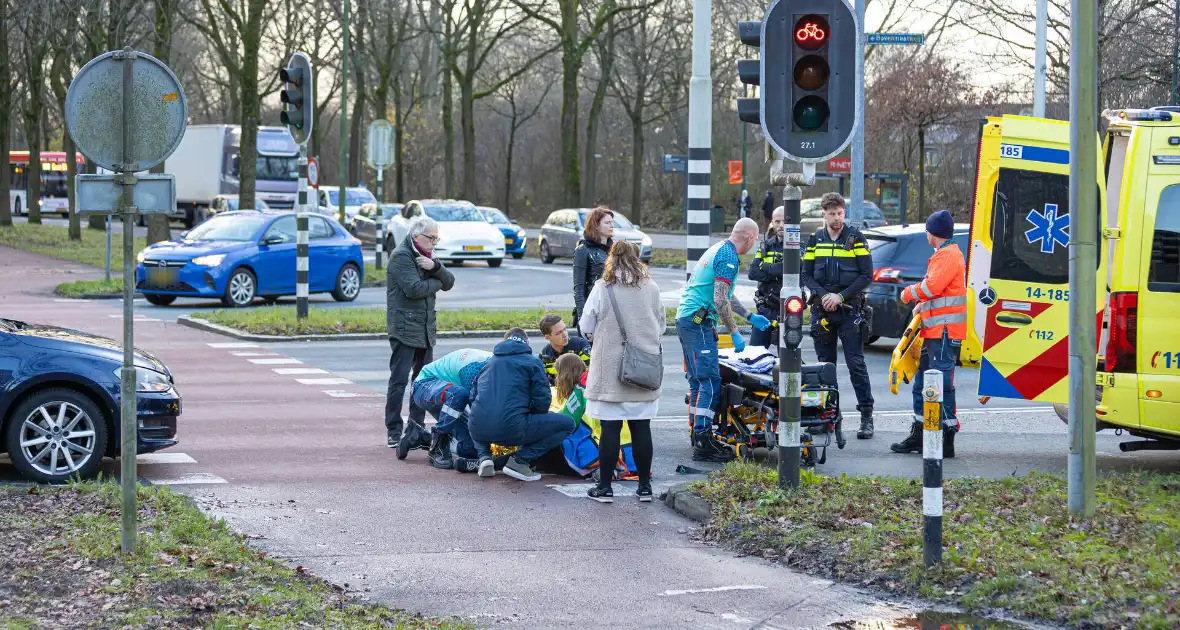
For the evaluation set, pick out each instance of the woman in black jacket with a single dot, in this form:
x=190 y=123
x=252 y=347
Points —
x=590 y=255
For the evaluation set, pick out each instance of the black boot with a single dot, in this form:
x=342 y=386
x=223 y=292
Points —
x=440 y=452
x=912 y=444
x=866 y=425
x=948 y=440
x=708 y=448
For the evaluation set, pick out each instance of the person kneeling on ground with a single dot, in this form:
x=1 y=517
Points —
x=510 y=407
x=560 y=343
x=443 y=389
x=580 y=450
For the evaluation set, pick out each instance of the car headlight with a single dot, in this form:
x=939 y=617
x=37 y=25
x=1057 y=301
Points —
x=148 y=380
x=521 y=233
x=141 y=255
x=211 y=260
x=646 y=241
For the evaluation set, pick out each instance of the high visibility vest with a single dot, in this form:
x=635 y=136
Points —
x=942 y=294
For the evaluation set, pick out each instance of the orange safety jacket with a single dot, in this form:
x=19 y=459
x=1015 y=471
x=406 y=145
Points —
x=942 y=295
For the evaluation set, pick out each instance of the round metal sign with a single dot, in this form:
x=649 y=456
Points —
x=94 y=111
x=313 y=173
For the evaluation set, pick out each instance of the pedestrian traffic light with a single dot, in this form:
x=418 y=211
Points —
x=809 y=107
x=793 y=328
x=750 y=72
x=298 y=97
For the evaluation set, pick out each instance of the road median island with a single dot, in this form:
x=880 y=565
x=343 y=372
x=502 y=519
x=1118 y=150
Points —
x=60 y=566
x=1010 y=544
x=277 y=323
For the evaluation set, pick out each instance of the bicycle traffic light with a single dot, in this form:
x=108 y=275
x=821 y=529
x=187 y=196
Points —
x=808 y=107
x=298 y=97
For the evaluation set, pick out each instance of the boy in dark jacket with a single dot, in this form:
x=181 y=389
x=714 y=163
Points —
x=560 y=342
x=510 y=407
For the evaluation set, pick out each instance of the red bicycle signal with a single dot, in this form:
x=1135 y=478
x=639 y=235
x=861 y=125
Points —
x=811 y=32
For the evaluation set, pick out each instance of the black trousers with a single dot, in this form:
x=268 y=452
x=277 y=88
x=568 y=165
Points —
x=404 y=364
x=848 y=333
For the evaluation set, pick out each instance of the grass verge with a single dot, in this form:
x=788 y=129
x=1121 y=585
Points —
x=280 y=320
x=660 y=256
x=81 y=288
x=54 y=240
x=1010 y=543
x=60 y=566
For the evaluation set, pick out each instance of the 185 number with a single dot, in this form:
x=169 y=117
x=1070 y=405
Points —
x=1058 y=295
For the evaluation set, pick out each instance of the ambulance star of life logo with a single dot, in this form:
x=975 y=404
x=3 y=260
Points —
x=1049 y=228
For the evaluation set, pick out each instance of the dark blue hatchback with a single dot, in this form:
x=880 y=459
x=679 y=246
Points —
x=59 y=401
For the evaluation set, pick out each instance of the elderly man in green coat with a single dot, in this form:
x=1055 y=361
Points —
x=413 y=279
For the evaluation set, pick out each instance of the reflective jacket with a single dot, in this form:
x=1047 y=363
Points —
x=842 y=265
x=577 y=345
x=767 y=270
x=942 y=294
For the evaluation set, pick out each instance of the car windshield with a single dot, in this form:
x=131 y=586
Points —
x=234 y=203
x=390 y=209
x=353 y=197
x=228 y=228
x=53 y=184
x=454 y=213
x=621 y=222
x=872 y=212
x=277 y=168
x=495 y=216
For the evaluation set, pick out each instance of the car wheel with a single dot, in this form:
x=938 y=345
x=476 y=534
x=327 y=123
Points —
x=270 y=300
x=518 y=255
x=348 y=284
x=456 y=263
x=160 y=300
x=1062 y=411
x=240 y=289
x=495 y=262
x=872 y=339
x=56 y=435
x=546 y=257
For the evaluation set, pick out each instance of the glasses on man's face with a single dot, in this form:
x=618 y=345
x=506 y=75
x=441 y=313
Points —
x=433 y=238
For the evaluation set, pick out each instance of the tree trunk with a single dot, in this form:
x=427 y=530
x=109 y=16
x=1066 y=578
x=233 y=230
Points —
x=921 y=173
x=5 y=119
x=637 y=165
x=590 y=162
x=467 y=111
x=508 y=167
x=448 y=120
x=399 y=161
x=158 y=228
x=251 y=45
x=569 y=128
x=34 y=85
x=355 y=147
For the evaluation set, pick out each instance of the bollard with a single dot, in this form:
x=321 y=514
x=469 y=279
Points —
x=380 y=238
x=932 y=468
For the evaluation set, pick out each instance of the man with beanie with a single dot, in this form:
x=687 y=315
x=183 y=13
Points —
x=837 y=268
x=942 y=305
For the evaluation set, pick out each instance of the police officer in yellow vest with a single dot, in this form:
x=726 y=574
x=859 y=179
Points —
x=767 y=270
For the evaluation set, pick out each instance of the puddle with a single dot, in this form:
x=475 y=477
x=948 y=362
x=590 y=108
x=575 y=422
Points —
x=929 y=620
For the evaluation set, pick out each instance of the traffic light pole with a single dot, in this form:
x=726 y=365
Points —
x=857 y=184
x=700 y=135
x=301 y=240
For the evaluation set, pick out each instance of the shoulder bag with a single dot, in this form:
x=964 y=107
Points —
x=638 y=368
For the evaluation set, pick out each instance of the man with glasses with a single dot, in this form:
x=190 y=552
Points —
x=412 y=281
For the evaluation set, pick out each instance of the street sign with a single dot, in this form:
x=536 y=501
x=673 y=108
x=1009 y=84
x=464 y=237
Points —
x=896 y=39
x=735 y=171
x=94 y=108
x=675 y=163
x=380 y=149
x=839 y=165
x=313 y=172
x=100 y=194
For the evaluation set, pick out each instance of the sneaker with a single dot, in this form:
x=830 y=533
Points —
x=465 y=465
x=912 y=443
x=487 y=468
x=440 y=452
x=520 y=470
x=707 y=448
x=602 y=495
x=392 y=438
x=644 y=493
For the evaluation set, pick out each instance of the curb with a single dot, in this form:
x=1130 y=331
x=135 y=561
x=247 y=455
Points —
x=207 y=326
x=687 y=503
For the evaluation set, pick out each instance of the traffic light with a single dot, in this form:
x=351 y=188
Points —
x=808 y=77
x=298 y=97
x=750 y=72
x=793 y=323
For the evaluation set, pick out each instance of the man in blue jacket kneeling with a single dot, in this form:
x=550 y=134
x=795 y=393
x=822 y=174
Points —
x=510 y=407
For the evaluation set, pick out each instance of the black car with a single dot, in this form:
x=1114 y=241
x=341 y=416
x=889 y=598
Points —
x=900 y=256
x=59 y=401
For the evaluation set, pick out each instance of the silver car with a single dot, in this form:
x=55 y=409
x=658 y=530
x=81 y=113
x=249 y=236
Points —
x=364 y=223
x=564 y=228
x=811 y=217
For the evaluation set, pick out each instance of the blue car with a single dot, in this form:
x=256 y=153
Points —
x=515 y=236
x=240 y=256
x=59 y=401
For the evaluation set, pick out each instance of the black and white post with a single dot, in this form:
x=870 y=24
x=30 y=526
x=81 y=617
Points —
x=698 y=198
x=379 y=220
x=932 y=467
x=790 y=360
x=301 y=240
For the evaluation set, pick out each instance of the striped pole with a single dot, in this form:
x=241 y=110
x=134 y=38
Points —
x=700 y=135
x=790 y=363
x=380 y=218
x=932 y=468
x=301 y=258
x=380 y=238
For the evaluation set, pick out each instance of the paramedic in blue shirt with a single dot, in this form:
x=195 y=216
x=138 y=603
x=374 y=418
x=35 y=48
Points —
x=443 y=388
x=708 y=299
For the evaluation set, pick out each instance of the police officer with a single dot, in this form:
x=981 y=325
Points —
x=837 y=268
x=767 y=270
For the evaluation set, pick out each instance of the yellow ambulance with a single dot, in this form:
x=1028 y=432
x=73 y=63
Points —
x=1018 y=269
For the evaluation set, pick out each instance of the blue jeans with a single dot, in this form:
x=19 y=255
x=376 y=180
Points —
x=535 y=434
x=699 y=344
x=943 y=355
x=448 y=404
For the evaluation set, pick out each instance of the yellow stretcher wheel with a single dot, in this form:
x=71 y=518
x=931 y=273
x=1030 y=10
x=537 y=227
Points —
x=741 y=450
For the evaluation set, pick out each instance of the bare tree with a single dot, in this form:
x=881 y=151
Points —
x=604 y=54
x=6 y=89
x=389 y=21
x=163 y=25
x=34 y=27
x=517 y=111
x=60 y=74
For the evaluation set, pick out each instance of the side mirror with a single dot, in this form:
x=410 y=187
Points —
x=273 y=240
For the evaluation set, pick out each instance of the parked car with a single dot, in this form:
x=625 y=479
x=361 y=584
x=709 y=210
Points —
x=900 y=255
x=563 y=229
x=240 y=256
x=464 y=234
x=328 y=201
x=364 y=223
x=59 y=401
x=228 y=203
x=515 y=237
x=811 y=217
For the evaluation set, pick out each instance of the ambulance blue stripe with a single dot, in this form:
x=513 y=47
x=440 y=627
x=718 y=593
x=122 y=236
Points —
x=1041 y=154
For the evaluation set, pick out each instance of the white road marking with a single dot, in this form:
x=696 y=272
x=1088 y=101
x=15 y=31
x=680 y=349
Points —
x=578 y=490
x=189 y=480
x=164 y=458
x=365 y=375
x=323 y=381
x=907 y=414
x=242 y=353
x=235 y=344
x=68 y=300
x=719 y=589
x=135 y=318
x=339 y=393
x=294 y=371
x=279 y=361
